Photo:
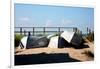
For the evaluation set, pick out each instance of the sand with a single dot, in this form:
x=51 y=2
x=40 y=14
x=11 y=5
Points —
x=78 y=54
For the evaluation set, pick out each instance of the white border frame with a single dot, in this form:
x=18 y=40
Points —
x=72 y=3
x=12 y=34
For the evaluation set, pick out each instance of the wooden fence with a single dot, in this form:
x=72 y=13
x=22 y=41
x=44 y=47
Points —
x=43 y=30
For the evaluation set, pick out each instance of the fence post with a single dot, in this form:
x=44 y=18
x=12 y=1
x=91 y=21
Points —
x=44 y=30
x=75 y=30
x=29 y=33
x=33 y=31
x=20 y=30
x=24 y=32
x=87 y=30
x=59 y=31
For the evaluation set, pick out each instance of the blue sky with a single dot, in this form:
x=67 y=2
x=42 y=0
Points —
x=30 y=15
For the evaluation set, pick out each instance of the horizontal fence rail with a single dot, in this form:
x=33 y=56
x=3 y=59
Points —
x=42 y=30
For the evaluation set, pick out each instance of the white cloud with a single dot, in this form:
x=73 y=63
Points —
x=24 y=19
x=65 y=21
x=49 y=23
x=62 y=22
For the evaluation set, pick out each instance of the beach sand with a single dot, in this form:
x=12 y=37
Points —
x=84 y=54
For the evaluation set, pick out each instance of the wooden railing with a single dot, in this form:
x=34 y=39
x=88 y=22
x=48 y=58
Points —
x=32 y=30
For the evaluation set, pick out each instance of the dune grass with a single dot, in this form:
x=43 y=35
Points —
x=90 y=37
x=17 y=39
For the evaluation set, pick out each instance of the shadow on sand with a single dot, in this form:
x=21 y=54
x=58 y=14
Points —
x=43 y=58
